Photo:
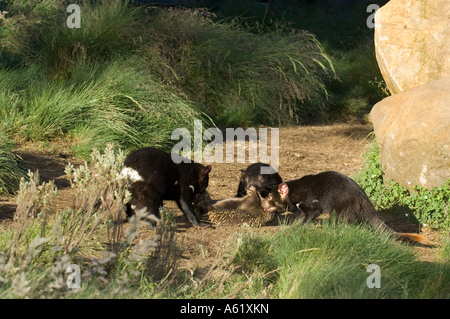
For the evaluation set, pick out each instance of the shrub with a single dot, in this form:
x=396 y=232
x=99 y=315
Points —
x=37 y=249
x=430 y=206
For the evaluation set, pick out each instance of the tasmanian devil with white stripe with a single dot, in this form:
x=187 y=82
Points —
x=330 y=192
x=156 y=177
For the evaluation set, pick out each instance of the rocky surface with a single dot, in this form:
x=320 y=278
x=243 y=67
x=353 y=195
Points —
x=412 y=42
x=413 y=131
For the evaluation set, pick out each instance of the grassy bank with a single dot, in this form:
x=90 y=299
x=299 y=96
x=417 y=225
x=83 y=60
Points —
x=237 y=76
x=331 y=261
x=99 y=104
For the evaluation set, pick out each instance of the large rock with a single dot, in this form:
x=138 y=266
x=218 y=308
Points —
x=413 y=131
x=412 y=42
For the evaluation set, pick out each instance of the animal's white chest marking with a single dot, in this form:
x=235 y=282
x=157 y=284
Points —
x=132 y=174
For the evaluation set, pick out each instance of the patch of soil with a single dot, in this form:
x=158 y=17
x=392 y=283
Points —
x=302 y=150
x=50 y=167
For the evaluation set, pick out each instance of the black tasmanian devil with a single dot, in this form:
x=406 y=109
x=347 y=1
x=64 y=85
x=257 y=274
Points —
x=330 y=192
x=156 y=177
x=253 y=175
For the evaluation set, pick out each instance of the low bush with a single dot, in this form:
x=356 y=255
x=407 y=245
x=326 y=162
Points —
x=40 y=246
x=429 y=206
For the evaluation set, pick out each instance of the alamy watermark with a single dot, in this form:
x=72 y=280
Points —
x=213 y=151
x=370 y=22
x=74 y=278
x=74 y=19
x=374 y=280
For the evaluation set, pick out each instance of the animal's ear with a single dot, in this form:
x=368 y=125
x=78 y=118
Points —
x=206 y=170
x=283 y=189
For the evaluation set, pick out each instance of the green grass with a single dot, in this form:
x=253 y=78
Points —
x=360 y=85
x=10 y=166
x=131 y=76
x=445 y=253
x=99 y=104
x=36 y=31
x=237 y=76
x=86 y=86
x=341 y=28
x=331 y=262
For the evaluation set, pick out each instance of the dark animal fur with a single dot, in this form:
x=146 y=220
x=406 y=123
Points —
x=165 y=180
x=330 y=192
x=252 y=176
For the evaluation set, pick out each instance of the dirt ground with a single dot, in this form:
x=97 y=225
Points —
x=302 y=150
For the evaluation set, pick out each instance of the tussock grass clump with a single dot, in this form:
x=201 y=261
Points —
x=331 y=262
x=341 y=27
x=238 y=76
x=10 y=167
x=86 y=85
x=36 y=31
x=98 y=105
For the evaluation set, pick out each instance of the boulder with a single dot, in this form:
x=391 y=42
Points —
x=413 y=131
x=412 y=42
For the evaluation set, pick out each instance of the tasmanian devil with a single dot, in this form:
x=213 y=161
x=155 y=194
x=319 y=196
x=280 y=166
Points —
x=236 y=211
x=330 y=192
x=253 y=176
x=156 y=177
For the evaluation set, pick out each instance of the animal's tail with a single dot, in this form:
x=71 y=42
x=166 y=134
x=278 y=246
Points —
x=416 y=238
x=378 y=224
